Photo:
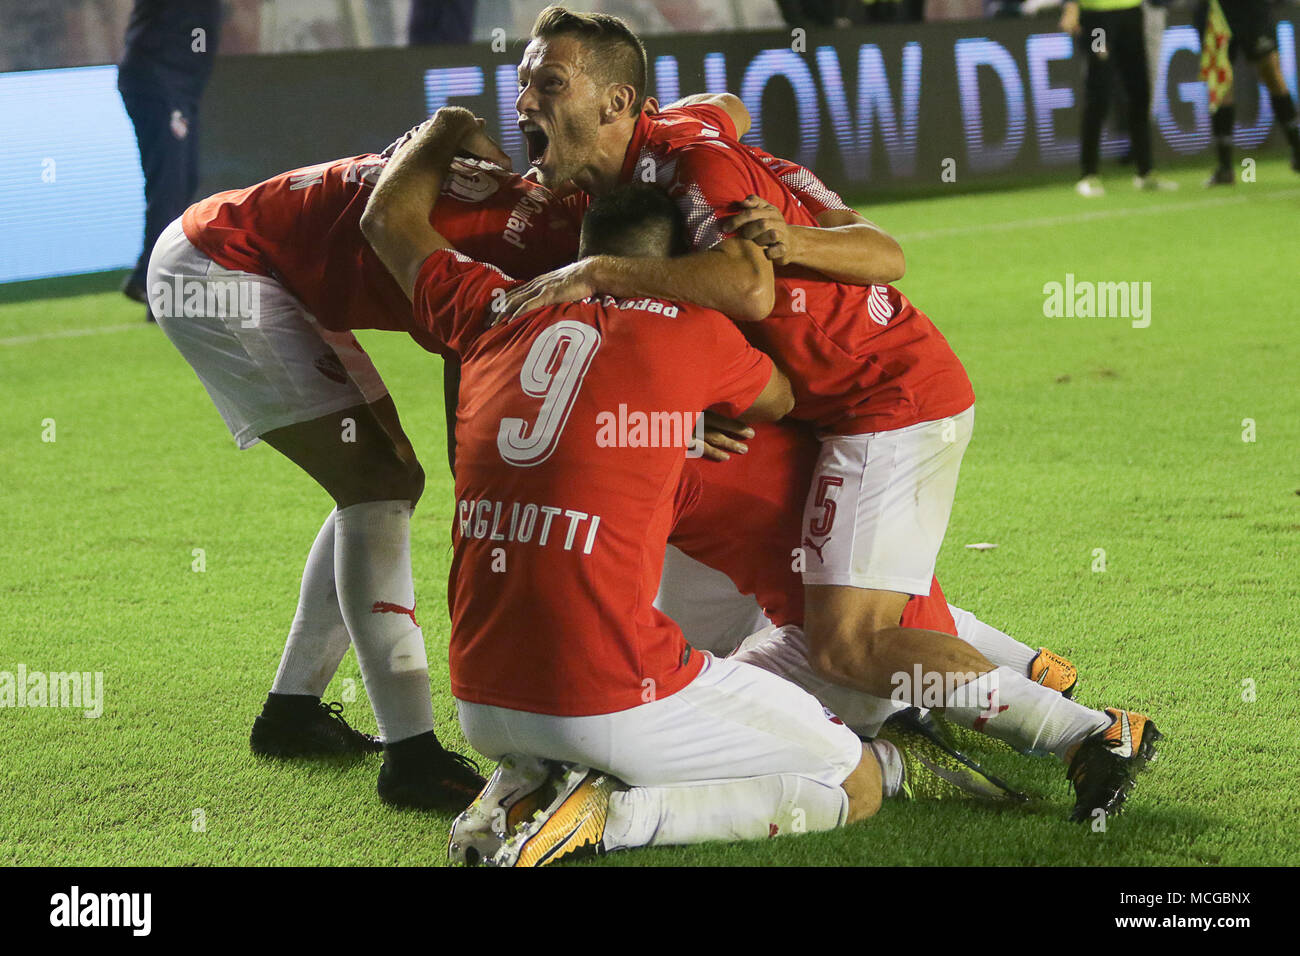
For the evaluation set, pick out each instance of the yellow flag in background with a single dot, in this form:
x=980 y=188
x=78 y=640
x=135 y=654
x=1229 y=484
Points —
x=1216 y=67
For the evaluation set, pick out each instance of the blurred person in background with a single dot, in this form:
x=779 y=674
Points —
x=1113 y=36
x=440 y=21
x=841 y=13
x=1228 y=28
x=170 y=46
x=876 y=11
x=812 y=13
x=1155 y=17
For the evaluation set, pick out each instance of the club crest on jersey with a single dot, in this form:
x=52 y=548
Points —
x=878 y=306
x=469 y=182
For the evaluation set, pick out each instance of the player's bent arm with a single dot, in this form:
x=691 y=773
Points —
x=729 y=103
x=734 y=277
x=396 y=219
x=843 y=245
x=774 y=402
x=849 y=248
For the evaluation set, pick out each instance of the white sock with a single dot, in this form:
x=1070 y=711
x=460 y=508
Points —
x=784 y=652
x=372 y=568
x=754 y=808
x=1034 y=719
x=318 y=638
x=891 y=767
x=1001 y=649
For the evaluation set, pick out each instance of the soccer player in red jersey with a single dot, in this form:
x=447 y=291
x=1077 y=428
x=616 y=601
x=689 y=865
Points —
x=734 y=560
x=892 y=404
x=557 y=653
x=732 y=574
x=732 y=569
x=260 y=290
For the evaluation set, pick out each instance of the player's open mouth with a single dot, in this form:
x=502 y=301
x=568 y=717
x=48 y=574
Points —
x=536 y=141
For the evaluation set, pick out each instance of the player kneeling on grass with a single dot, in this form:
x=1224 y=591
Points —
x=557 y=654
x=739 y=522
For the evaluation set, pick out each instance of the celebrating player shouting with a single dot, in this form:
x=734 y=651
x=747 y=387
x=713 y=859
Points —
x=892 y=404
x=288 y=371
x=556 y=650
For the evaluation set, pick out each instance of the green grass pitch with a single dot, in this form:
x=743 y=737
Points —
x=1091 y=434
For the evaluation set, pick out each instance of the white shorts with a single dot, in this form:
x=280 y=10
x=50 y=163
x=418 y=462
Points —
x=263 y=358
x=705 y=604
x=732 y=722
x=879 y=505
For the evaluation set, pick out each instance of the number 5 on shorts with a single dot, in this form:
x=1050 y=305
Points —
x=822 y=524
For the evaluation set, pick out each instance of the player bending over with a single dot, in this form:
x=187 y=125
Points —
x=557 y=653
x=290 y=372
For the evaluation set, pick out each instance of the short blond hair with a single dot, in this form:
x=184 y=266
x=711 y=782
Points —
x=617 y=52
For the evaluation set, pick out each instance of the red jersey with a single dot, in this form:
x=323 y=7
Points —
x=860 y=358
x=303 y=229
x=807 y=188
x=570 y=436
x=744 y=517
x=814 y=194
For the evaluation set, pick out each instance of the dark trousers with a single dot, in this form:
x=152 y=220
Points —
x=440 y=21
x=1124 y=50
x=810 y=13
x=167 y=130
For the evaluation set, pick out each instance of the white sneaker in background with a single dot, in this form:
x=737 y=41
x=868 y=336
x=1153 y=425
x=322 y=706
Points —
x=1090 y=187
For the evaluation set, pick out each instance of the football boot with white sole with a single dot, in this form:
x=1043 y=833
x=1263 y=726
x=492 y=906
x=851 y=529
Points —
x=572 y=826
x=516 y=790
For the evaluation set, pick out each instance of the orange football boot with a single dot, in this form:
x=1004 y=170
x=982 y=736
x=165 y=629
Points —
x=1104 y=767
x=1054 y=671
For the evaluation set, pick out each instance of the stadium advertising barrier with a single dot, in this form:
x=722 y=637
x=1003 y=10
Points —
x=895 y=106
